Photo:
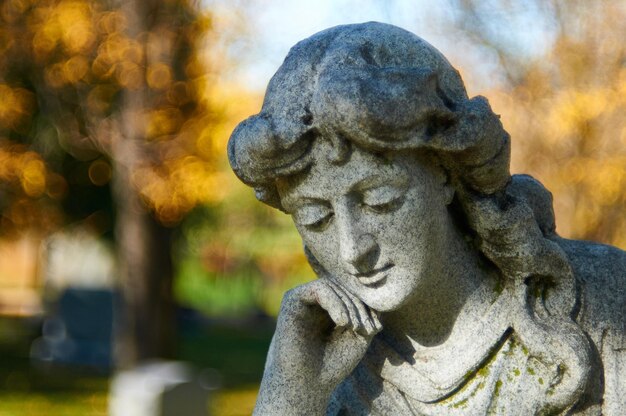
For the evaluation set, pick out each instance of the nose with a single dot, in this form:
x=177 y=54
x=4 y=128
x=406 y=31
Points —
x=357 y=248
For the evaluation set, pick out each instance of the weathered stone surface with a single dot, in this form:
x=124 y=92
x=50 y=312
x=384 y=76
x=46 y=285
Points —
x=443 y=286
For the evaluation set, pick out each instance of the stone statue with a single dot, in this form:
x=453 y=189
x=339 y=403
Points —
x=443 y=287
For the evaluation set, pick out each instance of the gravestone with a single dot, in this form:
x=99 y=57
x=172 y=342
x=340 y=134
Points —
x=160 y=388
x=443 y=285
x=80 y=330
x=81 y=295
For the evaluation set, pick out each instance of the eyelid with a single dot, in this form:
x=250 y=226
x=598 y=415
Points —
x=381 y=195
x=311 y=214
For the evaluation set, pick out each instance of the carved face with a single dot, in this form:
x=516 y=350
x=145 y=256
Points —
x=377 y=225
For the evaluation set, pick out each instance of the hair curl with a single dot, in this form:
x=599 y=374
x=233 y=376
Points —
x=381 y=88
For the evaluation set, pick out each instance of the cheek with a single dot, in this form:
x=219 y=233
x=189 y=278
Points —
x=411 y=232
x=408 y=223
x=322 y=247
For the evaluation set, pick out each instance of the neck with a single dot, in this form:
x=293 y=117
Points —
x=458 y=291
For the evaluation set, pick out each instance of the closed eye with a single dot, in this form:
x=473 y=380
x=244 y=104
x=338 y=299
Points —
x=314 y=217
x=383 y=199
x=384 y=207
x=321 y=224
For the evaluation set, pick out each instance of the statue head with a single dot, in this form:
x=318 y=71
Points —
x=376 y=89
x=375 y=86
x=379 y=94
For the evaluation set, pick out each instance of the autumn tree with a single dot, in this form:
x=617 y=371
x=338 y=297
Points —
x=118 y=88
x=564 y=106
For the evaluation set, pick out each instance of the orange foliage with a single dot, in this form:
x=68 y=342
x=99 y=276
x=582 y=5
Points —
x=16 y=107
x=566 y=112
x=80 y=58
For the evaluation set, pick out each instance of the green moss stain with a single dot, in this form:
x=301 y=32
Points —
x=499 y=287
x=516 y=372
x=540 y=380
x=508 y=352
x=530 y=371
x=462 y=403
x=496 y=392
x=484 y=372
x=474 y=382
x=537 y=289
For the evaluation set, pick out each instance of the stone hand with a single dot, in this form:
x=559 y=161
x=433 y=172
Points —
x=323 y=331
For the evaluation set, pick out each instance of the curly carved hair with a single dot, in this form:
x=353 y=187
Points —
x=384 y=89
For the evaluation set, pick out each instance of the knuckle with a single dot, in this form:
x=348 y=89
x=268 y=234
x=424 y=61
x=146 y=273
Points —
x=289 y=295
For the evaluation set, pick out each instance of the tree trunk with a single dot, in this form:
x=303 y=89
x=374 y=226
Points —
x=146 y=325
x=147 y=322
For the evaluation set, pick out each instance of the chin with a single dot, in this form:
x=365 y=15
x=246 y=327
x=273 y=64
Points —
x=394 y=294
x=383 y=302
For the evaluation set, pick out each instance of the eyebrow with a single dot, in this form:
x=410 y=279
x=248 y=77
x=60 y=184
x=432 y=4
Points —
x=374 y=181
x=399 y=178
x=291 y=202
x=292 y=198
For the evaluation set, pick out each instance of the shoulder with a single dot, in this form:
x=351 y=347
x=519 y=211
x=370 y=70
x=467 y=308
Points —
x=592 y=260
x=600 y=271
x=601 y=274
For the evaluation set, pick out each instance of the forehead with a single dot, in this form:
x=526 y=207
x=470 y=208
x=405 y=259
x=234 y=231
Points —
x=325 y=179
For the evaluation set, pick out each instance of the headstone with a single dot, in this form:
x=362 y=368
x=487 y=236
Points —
x=443 y=286
x=77 y=258
x=158 y=389
x=79 y=331
x=80 y=292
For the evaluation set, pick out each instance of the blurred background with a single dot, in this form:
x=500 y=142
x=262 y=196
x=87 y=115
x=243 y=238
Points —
x=124 y=236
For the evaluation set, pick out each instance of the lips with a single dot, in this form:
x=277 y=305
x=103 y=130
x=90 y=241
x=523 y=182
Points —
x=374 y=277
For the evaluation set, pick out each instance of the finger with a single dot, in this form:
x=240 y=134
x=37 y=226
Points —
x=355 y=318
x=365 y=313
x=322 y=295
x=366 y=326
x=376 y=319
x=368 y=315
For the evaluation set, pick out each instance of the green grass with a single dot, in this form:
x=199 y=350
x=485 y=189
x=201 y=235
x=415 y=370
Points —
x=234 y=402
x=235 y=295
x=29 y=391
x=236 y=349
x=238 y=257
